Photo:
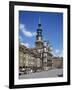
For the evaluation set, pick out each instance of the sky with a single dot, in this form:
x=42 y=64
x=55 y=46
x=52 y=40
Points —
x=52 y=27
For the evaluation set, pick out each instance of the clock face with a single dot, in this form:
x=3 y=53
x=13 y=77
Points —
x=45 y=43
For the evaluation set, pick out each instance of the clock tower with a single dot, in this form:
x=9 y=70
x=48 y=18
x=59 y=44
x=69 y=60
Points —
x=39 y=38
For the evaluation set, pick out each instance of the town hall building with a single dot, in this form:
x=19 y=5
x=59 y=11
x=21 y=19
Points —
x=40 y=57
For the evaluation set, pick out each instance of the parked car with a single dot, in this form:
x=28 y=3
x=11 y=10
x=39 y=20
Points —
x=22 y=71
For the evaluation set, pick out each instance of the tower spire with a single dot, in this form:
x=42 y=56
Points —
x=39 y=20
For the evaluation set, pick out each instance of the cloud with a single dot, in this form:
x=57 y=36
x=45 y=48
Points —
x=58 y=52
x=26 y=44
x=20 y=39
x=22 y=26
x=27 y=33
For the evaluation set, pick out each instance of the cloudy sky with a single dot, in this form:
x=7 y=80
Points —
x=52 y=26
